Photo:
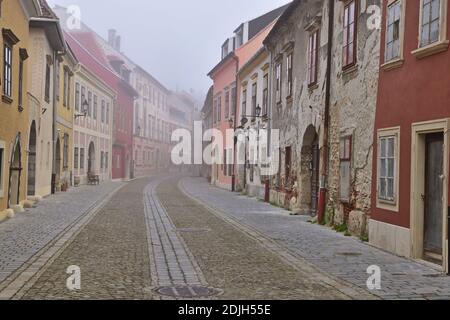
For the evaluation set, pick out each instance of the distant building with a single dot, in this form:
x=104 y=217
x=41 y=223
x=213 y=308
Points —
x=95 y=99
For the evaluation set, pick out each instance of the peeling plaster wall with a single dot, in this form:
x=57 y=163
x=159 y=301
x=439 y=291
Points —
x=352 y=110
x=307 y=106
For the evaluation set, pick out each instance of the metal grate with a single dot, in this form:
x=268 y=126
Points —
x=187 y=291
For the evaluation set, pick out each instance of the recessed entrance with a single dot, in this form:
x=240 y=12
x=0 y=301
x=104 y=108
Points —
x=429 y=191
x=15 y=170
x=433 y=206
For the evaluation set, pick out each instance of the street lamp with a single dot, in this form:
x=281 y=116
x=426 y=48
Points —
x=84 y=110
x=258 y=111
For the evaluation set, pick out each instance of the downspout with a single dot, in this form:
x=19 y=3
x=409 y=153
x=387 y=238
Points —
x=325 y=154
x=56 y=55
x=233 y=178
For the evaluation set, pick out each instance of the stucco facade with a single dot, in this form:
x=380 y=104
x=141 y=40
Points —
x=299 y=115
x=14 y=109
x=352 y=117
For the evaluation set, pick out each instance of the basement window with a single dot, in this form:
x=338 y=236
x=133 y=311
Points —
x=345 y=156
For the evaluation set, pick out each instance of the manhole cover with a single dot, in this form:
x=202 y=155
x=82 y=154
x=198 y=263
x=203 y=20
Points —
x=349 y=254
x=187 y=291
x=193 y=230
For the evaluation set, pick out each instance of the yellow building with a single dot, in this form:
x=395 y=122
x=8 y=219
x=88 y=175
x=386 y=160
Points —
x=64 y=121
x=14 y=104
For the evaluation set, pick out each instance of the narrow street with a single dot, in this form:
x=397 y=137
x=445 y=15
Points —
x=178 y=238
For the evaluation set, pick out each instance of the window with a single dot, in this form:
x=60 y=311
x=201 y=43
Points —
x=83 y=99
x=244 y=102
x=106 y=160
x=289 y=75
x=278 y=82
x=7 y=70
x=102 y=159
x=313 y=57
x=345 y=156
x=387 y=167
x=81 y=158
x=430 y=24
x=21 y=84
x=95 y=107
x=107 y=113
x=47 y=83
x=75 y=158
x=227 y=104
x=89 y=111
x=103 y=111
x=66 y=152
x=288 y=164
x=254 y=91
x=67 y=88
x=265 y=94
x=349 y=43
x=77 y=96
x=57 y=87
x=394 y=13
x=233 y=101
x=219 y=109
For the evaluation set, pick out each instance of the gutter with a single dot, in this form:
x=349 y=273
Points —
x=325 y=154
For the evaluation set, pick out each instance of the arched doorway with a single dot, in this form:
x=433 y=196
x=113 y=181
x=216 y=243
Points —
x=91 y=158
x=310 y=172
x=31 y=186
x=15 y=170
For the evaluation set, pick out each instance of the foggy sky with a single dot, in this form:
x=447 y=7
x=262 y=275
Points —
x=177 y=41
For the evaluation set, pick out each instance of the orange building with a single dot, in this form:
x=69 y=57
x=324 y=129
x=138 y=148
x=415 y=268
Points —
x=236 y=52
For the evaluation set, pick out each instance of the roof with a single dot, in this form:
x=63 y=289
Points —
x=257 y=24
x=46 y=11
x=282 y=20
x=255 y=57
x=92 y=63
x=222 y=63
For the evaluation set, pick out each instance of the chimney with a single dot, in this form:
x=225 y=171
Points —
x=112 y=37
x=117 y=43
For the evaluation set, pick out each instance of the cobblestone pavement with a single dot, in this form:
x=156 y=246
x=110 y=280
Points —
x=337 y=255
x=24 y=236
x=111 y=251
x=236 y=262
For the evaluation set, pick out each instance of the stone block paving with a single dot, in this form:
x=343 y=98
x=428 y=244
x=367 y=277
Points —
x=111 y=251
x=172 y=263
x=233 y=261
x=29 y=232
x=343 y=257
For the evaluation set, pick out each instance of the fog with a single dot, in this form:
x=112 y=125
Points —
x=177 y=41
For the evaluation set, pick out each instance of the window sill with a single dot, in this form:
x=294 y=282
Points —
x=312 y=87
x=7 y=99
x=387 y=205
x=350 y=69
x=431 y=49
x=393 y=64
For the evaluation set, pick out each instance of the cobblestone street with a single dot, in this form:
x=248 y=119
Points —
x=179 y=238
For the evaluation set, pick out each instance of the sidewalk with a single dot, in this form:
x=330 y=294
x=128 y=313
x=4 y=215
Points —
x=27 y=233
x=344 y=257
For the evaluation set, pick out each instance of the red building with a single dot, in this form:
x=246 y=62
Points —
x=116 y=75
x=410 y=200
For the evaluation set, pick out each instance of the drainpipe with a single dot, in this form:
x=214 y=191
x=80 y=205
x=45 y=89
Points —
x=325 y=155
x=56 y=55
x=233 y=177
